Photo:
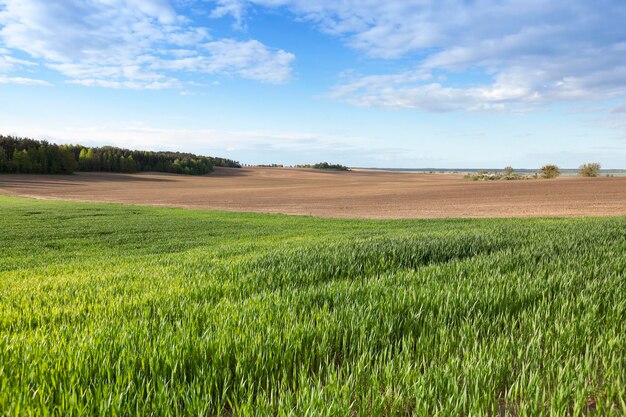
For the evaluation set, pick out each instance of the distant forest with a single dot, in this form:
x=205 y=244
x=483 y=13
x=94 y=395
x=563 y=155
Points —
x=325 y=165
x=29 y=156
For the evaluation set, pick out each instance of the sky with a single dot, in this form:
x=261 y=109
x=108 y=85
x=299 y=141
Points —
x=367 y=83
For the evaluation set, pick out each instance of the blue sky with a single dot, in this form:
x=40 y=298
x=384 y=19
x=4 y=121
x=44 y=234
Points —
x=395 y=83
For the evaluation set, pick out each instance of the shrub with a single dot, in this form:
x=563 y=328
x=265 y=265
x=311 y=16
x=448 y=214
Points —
x=550 y=171
x=508 y=171
x=591 y=169
x=495 y=176
x=483 y=176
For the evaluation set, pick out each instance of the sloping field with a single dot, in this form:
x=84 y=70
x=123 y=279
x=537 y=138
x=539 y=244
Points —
x=113 y=310
x=366 y=194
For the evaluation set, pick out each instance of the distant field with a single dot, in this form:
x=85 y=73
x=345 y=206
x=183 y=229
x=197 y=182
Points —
x=362 y=194
x=125 y=310
x=567 y=172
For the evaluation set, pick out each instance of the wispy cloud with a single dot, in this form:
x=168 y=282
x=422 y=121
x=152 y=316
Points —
x=9 y=63
x=22 y=81
x=234 y=8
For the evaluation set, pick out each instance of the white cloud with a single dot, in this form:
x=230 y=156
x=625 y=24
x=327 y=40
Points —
x=22 y=81
x=234 y=8
x=9 y=63
x=247 y=59
x=133 y=85
x=250 y=59
x=531 y=52
x=517 y=88
x=127 y=43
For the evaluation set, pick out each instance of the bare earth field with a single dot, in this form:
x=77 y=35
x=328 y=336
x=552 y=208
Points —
x=362 y=193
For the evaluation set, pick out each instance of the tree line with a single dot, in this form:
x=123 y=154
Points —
x=29 y=156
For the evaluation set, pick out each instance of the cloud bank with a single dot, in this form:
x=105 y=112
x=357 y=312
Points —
x=448 y=55
x=127 y=44
x=526 y=53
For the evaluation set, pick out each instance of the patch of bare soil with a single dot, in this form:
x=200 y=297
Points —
x=361 y=193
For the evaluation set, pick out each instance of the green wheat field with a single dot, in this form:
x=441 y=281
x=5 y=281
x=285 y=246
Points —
x=112 y=310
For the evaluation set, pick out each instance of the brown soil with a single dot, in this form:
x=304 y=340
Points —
x=369 y=194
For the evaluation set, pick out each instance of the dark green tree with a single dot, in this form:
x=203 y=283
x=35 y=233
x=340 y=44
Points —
x=23 y=155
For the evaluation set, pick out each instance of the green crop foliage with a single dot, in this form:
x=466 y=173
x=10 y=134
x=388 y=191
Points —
x=111 y=310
